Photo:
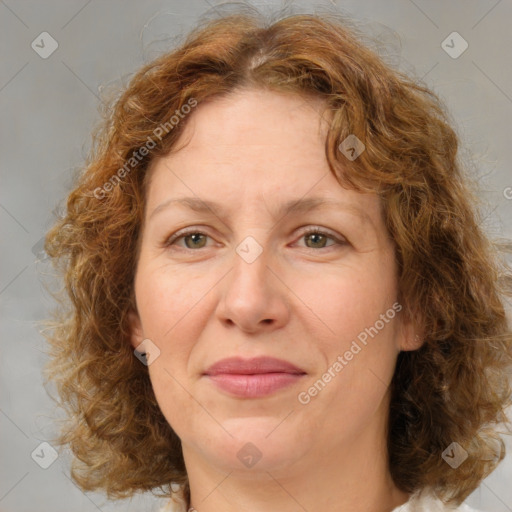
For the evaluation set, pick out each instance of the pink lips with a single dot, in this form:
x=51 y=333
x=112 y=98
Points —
x=253 y=378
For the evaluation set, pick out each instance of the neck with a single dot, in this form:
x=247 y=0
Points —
x=352 y=476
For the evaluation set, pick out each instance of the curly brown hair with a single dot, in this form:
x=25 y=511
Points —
x=452 y=280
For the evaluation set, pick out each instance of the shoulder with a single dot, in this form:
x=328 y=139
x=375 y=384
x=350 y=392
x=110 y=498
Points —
x=174 y=505
x=429 y=503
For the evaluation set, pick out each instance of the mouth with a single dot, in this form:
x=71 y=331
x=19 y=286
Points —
x=253 y=378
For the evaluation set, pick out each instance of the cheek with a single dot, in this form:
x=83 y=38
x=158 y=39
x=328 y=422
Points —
x=332 y=308
x=172 y=309
x=357 y=323
x=343 y=303
x=167 y=299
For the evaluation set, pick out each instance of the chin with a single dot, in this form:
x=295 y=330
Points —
x=256 y=445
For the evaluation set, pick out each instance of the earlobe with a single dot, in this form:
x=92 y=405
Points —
x=412 y=332
x=136 y=332
x=417 y=342
x=413 y=340
x=412 y=335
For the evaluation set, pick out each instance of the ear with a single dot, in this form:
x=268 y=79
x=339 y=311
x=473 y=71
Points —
x=136 y=332
x=412 y=342
x=412 y=335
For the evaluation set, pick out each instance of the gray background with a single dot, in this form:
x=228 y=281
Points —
x=49 y=107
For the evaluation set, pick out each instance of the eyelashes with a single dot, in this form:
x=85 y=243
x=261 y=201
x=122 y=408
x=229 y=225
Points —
x=184 y=235
x=198 y=239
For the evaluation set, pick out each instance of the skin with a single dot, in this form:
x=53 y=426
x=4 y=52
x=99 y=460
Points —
x=303 y=299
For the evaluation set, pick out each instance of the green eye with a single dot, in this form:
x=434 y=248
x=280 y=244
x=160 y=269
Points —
x=318 y=239
x=196 y=240
x=192 y=239
x=315 y=239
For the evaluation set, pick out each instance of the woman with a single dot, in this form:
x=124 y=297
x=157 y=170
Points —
x=281 y=298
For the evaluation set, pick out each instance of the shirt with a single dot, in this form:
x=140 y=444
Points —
x=416 y=503
x=428 y=503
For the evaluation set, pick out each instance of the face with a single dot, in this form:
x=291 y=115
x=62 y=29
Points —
x=271 y=295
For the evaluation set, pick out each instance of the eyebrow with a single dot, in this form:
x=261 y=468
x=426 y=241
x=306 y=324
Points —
x=302 y=205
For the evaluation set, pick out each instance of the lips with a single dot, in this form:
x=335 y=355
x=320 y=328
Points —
x=253 y=378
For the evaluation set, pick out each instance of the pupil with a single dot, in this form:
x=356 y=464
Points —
x=317 y=237
x=194 y=237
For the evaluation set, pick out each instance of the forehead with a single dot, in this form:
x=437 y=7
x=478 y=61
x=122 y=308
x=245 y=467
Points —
x=252 y=146
x=244 y=122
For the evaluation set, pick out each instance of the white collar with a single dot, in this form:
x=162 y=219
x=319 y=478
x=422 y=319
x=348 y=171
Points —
x=418 y=502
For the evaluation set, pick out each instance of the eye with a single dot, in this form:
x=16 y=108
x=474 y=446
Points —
x=318 y=238
x=193 y=239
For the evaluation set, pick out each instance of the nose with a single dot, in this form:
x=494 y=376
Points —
x=253 y=296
